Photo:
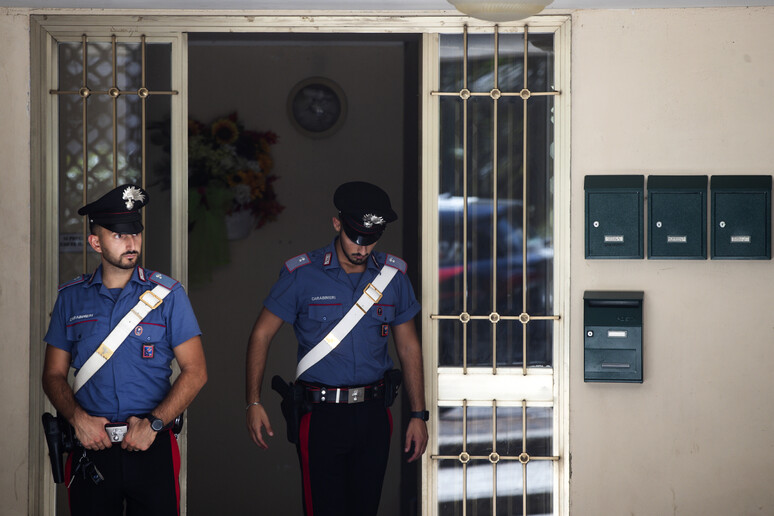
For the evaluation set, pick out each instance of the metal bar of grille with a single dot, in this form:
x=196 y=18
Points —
x=113 y=92
x=84 y=96
x=143 y=108
x=494 y=457
x=464 y=197
x=494 y=194
x=524 y=198
x=524 y=437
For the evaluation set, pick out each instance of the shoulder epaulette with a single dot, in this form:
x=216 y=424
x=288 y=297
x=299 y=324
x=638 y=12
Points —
x=74 y=281
x=161 y=279
x=394 y=261
x=297 y=261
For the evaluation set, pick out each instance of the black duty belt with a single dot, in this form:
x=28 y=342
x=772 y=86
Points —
x=314 y=393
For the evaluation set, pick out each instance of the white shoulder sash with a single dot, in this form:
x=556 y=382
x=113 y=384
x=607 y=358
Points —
x=371 y=295
x=149 y=300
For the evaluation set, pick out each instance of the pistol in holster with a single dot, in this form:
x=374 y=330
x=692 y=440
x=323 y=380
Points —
x=293 y=405
x=392 y=381
x=60 y=439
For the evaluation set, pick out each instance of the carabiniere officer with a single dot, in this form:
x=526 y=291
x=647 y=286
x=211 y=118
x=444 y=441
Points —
x=126 y=451
x=343 y=440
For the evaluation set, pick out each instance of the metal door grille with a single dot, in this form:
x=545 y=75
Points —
x=495 y=271
x=105 y=97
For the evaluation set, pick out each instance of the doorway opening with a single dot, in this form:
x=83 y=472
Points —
x=250 y=78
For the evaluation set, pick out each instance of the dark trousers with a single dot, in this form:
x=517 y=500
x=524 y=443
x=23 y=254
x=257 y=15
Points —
x=147 y=481
x=343 y=452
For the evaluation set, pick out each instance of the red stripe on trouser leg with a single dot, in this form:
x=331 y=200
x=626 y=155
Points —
x=175 y=465
x=303 y=443
x=389 y=418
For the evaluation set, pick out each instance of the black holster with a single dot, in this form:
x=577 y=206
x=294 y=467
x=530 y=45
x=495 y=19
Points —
x=293 y=405
x=60 y=439
x=392 y=381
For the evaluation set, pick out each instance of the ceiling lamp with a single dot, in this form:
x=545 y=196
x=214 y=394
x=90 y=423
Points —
x=500 y=11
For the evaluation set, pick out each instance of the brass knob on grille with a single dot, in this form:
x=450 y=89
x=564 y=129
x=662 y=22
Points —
x=143 y=93
x=494 y=317
x=464 y=317
x=495 y=94
x=524 y=318
x=524 y=458
x=525 y=94
x=494 y=457
x=114 y=92
x=464 y=93
x=464 y=457
x=84 y=92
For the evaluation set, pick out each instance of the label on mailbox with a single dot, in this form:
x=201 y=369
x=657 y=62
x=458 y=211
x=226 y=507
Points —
x=740 y=239
x=677 y=239
x=614 y=239
x=617 y=334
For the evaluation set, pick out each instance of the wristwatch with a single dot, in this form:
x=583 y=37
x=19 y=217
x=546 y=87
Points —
x=424 y=415
x=156 y=424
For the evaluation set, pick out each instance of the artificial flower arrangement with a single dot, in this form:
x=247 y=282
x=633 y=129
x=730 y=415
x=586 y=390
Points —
x=230 y=167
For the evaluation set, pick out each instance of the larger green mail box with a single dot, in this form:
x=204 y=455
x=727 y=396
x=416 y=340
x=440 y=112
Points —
x=612 y=344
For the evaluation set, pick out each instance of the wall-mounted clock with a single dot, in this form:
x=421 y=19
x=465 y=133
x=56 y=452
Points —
x=317 y=107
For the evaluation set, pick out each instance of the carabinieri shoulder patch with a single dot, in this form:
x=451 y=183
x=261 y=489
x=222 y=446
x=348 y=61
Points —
x=297 y=261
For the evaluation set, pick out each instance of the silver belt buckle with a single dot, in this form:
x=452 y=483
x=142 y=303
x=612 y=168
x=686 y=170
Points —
x=355 y=395
x=116 y=431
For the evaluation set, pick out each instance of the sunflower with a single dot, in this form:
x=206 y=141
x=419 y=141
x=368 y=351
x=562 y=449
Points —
x=225 y=131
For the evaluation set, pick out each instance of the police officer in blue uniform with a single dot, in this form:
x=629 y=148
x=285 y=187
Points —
x=343 y=441
x=130 y=394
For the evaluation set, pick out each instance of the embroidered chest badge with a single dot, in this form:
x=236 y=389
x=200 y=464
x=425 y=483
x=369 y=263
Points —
x=379 y=311
x=147 y=350
x=385 y=330
x=138 y=330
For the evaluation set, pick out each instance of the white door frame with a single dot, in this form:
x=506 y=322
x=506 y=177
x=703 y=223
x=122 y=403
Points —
x=46 y=26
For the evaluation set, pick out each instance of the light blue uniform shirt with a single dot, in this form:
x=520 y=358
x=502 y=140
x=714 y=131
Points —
x=314 y=293
x=136 y=378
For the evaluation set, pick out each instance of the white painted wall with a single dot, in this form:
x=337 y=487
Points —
x=15 y=253
x=656 y=91
x=675 y=92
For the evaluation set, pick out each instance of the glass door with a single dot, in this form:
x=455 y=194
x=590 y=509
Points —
x=494 y=318
x=112 y=104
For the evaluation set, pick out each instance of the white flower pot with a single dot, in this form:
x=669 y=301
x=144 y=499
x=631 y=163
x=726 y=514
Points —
x=239 y=224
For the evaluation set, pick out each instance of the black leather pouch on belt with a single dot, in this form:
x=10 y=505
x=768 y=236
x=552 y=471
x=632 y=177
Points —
x=292 y=405
x=392 y=381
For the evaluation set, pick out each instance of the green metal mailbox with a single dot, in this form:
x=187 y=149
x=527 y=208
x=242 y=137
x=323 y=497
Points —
x=614 y=216
x=741 y=217
x=677 y=217
x=612 y=344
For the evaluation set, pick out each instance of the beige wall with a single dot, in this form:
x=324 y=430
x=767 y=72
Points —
x=661 y=91
x=15 y=273
x=675 y=92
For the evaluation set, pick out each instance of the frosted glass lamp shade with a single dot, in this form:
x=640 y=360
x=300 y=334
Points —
x=499 y=11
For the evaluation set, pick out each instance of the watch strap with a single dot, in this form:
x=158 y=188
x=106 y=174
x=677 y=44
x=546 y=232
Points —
x=424 y=415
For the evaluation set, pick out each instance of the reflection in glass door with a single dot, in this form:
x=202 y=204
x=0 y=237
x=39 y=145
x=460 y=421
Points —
x=496 y=451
